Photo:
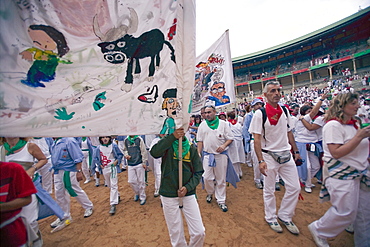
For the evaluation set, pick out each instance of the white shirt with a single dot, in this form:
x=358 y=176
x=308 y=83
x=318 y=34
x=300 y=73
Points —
x=319 y=121
x=302 y=134
x=276 y=137
x=212 y=139
x=337 y=133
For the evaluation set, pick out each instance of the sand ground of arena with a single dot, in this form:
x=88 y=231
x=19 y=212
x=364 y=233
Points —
x=136 y=225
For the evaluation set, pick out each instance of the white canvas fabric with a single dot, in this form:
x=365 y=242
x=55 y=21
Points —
x=212 y=67
x=91 y=91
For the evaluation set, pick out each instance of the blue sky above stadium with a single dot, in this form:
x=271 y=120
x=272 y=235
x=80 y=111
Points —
x=259 y=24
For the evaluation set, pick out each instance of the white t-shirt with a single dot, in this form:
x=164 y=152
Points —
x=337 y=133
x=107 y=155
x=294 y=123
x=212 y=139
x=240 y=120
x=276 y=137
x=42 y=144
x=236 y=129
x=302 y=134
x=319 y=121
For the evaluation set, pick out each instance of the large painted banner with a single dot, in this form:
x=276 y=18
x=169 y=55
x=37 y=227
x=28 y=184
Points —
x=214 y=79
x=92 y=68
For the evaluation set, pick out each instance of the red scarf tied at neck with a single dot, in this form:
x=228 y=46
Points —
x=273 y=114
x=349 y=122
x=232 y=121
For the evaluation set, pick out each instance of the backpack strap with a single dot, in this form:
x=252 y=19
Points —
x=264 y=119
x=286 y=114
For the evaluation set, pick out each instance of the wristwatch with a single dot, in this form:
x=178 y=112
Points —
x=79 y=170
x=261 y=161
x=296 y=152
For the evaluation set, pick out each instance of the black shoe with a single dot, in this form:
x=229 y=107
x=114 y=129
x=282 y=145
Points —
x=277 y=186
x=223 y=207
x=209 y=198
x=281 y=182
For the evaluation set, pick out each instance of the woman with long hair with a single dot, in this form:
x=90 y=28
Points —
x=346 y=152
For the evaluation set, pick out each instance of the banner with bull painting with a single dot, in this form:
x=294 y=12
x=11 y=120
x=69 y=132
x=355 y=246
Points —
x=92 y=68
x=214 y=80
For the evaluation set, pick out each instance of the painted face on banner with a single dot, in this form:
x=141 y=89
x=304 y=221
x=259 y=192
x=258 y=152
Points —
x=218 y=90
x=42 y=40
x=172 y=107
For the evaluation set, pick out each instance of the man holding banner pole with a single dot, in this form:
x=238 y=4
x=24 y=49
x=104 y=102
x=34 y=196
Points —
x=168 y=149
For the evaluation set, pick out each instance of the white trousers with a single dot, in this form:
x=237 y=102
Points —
x=62 y=196
x=112 y=182
x=288 y=172
x=215 y=174
x=31 y=213
x=248 y=159
x=157 y=173
x=174 y=221
x=136 y=179
x=47 y=177
x=85 y=165
x=256 y=169
x=313 y=166
x=344 y=199
x=362 y=222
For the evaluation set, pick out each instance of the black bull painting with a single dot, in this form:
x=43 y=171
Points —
x=149 y=44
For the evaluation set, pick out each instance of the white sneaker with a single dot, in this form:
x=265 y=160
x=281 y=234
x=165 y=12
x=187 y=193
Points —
x=320 y=242
x=349 y=229
x=156 y=193
x=87 y=181
x=275 y=226
x=88 y=212
x=55 y=223
x=290 y=226
x=62 y=224
x=308 y=189
x=258 y=185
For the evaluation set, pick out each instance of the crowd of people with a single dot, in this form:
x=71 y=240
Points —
x=312 y=134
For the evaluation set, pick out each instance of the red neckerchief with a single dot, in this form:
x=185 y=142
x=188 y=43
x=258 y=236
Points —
x=273 y=114
x=232 y=121
x=349 y=122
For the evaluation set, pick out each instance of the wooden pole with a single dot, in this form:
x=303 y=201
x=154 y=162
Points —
x=180 y=169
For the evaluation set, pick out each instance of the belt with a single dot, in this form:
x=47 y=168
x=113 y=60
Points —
x=265 y=151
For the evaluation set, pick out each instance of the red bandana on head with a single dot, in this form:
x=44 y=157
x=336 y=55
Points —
x=273 y=114
x=232 y=121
